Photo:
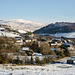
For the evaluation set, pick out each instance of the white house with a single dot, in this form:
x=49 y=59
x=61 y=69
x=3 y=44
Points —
x=27 y=40
x=55 y=43
x=19 y=40
x=2 y=29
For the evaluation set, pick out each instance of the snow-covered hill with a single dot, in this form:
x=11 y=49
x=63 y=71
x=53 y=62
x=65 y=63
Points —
x=21 y=24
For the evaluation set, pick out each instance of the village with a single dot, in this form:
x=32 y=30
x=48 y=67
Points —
x=37 y=37
x=23 y=44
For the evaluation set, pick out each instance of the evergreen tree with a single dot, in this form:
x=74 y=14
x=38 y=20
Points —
x=32 y=61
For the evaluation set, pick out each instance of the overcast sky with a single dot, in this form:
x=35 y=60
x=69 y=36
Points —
x=45 y=11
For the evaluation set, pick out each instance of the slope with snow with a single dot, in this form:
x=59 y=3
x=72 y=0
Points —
x=8 y=34
x=51 y=69
x=21 y=24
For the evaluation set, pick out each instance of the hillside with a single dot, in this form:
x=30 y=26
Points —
x=58 y=27
x=21 y=24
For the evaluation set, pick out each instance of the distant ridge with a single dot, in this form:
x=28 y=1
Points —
x=58 y=27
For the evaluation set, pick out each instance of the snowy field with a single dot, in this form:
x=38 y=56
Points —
x=51 y=69
x=8 y=34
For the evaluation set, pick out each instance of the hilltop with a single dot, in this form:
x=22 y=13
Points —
x=58 y=27
x=21 y=24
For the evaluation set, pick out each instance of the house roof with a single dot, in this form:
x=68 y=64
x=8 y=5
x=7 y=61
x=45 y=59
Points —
x=53 y=49
x=2 y=28
x=43 y=38
x=37 y=53
x=25 y=48
x=56 y=39
x=66 y=44
x=18 y=38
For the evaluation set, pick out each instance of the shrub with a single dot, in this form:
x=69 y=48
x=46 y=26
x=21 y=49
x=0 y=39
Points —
x=46 y=60
x=28 y=33
x=66 y=52
x=63 y=47
x=17 y=61
x=37 y=60
x=26 y=60
x=3 y=58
